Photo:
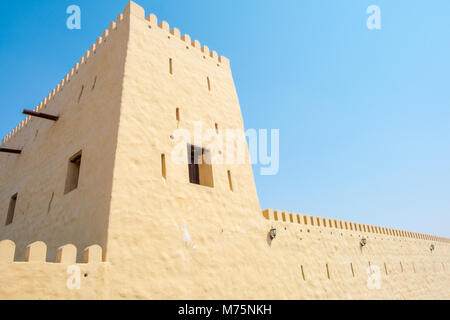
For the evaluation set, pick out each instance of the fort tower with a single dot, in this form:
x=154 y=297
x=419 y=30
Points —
x=103 y=177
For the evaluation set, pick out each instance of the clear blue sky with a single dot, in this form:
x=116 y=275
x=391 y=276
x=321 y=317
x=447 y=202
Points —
x=364 y=115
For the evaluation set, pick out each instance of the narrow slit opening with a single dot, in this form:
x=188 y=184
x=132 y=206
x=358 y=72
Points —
x=163 y=166
x=230 y=182
x=81 y=93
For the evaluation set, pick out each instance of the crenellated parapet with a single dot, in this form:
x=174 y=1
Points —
x=175 y=33
x=36 y=252
x=68 y=77
x=306 y=220
x=132 y=9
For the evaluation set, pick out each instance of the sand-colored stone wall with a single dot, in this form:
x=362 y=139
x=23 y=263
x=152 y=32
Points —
x=408 y=268
x=303 y=261
x=88 y=103
x=170 y=225
x=195 y=242
x=164 y=237
x=38 y=279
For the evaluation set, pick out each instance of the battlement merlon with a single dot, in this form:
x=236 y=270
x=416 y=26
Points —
x=37 y=253
x=131 y=9
x=67 y=78
x=137 y=11
x=306 y=220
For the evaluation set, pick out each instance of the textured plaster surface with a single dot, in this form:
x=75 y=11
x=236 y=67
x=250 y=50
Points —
x=89 y=123
x=168 y=238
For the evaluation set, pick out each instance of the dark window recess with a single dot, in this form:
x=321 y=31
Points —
x=194 y=175
x=199 y=165
x=11 y=209
x=73 y=173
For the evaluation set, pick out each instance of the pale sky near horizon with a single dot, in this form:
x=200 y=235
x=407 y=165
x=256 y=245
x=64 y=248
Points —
x=363 y=115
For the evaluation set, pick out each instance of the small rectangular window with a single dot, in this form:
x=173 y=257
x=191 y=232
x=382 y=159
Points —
x=73 y=173
x=209 y=83
x=199 y=165
x=178 y=114
x=11 y=209
x=194 y=176
x=170 y=66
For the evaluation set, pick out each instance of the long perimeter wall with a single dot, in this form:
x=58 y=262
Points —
x=328 y=262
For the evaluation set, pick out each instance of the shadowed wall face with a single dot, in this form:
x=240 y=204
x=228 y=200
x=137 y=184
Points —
x=64 y=193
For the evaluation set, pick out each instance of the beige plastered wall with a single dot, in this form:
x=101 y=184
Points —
x=165 y=238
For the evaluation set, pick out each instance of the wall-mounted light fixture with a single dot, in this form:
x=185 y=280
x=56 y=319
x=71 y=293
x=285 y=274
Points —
x=273 y=233
x=432 y=247
x=363 y=242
